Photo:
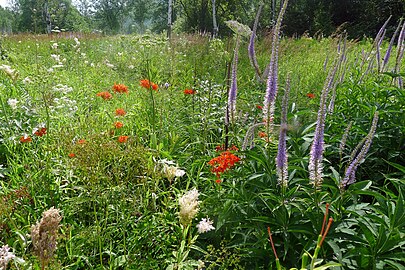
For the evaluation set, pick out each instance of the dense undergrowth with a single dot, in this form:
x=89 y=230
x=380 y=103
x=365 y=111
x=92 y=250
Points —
x=115 y=160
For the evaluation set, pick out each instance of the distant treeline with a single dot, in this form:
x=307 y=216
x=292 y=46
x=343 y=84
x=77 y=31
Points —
x=359 y=18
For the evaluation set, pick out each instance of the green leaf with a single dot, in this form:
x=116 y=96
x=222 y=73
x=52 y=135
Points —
x=396 y=165
x=327 y=266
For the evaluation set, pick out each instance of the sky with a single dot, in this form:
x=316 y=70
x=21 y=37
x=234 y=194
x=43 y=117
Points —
x=4 y=3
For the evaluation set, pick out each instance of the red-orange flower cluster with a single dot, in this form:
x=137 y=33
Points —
x=120 y=88
x=189 y=92
x=40 y=132
x=118 y=124
x=25 y=139
x=149 y=85
x=120 y=112
x=105 y=95
x=262 y=134
x=122 y=139
x=260 y=107
x=223 y=163
x=72 y=155
x=81 y=141
x=311 y=95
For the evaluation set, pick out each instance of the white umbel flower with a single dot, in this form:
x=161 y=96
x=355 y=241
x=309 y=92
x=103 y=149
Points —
x=205 y=225
x=12 y=102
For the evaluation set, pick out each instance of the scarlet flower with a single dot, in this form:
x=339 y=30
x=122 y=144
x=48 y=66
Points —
x=81 y=141
x=120 y=112
x=40 y=132
x=262 y=134
x=71 y=155
x=189 y=92
x=260 y=107
x=122 y=139
x=148 y=84
x=105 y=95
x=118 y=124
x=311 y=95
x=25 y=139
x=218 y=181
x=223 y=163
x=120 y=88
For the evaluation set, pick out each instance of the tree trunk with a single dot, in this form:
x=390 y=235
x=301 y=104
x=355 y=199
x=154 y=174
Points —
x=214 y=20
x=169 y=19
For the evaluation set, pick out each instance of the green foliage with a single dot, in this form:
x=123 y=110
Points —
x=120 y=200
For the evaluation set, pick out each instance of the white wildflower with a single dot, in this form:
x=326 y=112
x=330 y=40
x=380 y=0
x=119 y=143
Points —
x=56 y=57
x=201 y=265
x=57 y=66
x=12 y=102
x=5 y=256
x=120 y=53
x=54 y=46
x=50 y=70
x=77 y=41
x=109 y=65
x=92 y=65
x=188 y=206
x=27 y=80
x=131 y=67
x=205 y=225
x=9 y=71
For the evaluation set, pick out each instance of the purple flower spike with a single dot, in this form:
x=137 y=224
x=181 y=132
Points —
x=281 y=159
x=315 y=167
x=251 y=47
x=272 y=84
x=350 y=174
x=233 y=90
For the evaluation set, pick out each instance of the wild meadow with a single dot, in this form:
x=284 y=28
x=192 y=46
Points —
x=139 y=152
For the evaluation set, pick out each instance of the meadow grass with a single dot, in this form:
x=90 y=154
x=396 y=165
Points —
x=117 y=176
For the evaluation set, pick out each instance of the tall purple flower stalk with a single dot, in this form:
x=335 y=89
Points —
x=315 y=167
x=251 y=47
x=281 y=159
x=389 y=50
x=350 y=174
x=272 y=84
x=377 y=42
x=233 y=90
x=400 y=53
